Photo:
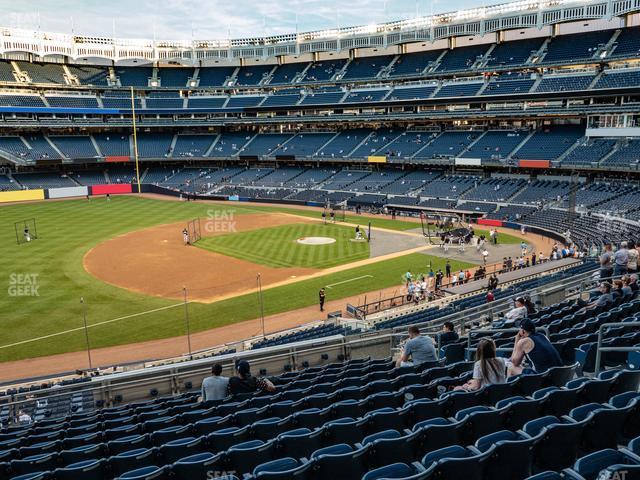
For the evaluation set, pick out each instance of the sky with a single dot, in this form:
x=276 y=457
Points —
x=213 y=19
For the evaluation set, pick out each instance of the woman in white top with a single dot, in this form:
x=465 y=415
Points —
x=488 y=369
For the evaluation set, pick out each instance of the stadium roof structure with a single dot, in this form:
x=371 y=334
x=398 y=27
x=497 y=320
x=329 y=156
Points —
x=475 y=21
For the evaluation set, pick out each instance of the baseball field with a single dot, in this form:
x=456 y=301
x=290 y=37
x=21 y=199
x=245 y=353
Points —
x=122 y=265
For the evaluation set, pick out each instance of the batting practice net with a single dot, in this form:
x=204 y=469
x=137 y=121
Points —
x=26 y=230
x=193 y=227
x=338 y=211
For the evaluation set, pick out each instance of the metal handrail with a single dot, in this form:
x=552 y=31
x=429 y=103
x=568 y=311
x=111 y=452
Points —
x=161 y=374
x=600 y=348
x=497 y=330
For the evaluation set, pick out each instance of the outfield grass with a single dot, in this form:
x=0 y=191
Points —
x=68 y=229
x=278 y=247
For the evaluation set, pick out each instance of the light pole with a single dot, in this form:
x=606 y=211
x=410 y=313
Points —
x=186 y=319
x=86 y=330
x=261 y=300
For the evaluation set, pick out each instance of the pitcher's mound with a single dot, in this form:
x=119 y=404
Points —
x=316 y=240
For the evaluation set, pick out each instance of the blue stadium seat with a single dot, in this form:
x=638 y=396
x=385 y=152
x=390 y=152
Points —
x=86 y=470
x=591 y=466
x=146 y=473
x=603 y=427
x=557 y=401
x=385 y=451
x=548 y=475
x=456 y=462
x=555 y=442
x=34 y=463
x=174 y=450
x=592 y=390
x=268 y=428
x=133 y=459
x=396 y=471
x=345 y=430
x=516 y=411
x=510 y=454
x=130 y=442
x=122 y=431
x=623 y=380
x=282 y=469
x=244 y=457
x=85 y=452
x=386 y=418
x=299 y=443
x=383 y=435
x=438 y=433
x=197 y=466
x=478 y=422
x=227 y=437
x=168 y=434
x=211 y=424
x=340 y=461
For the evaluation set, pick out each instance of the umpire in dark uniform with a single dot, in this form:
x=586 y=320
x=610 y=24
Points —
x=321 y=298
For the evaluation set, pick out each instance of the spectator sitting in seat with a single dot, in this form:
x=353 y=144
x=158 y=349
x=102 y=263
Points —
x=24 y=418
x=215 y=387
x=244 y=382
x=531 y=308
x=633 y=283
x=627 y=291
x=605 y=298
x=487 y=369
x=616 y=290
x=448 y=334
x=419 y=348
x=517 y=313
x=534 y=347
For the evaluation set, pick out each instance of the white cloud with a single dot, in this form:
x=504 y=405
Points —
x=213 y=19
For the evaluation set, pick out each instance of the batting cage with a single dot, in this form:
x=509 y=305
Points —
x=437 y=225
x=193 y=230
x=334 y=213
x=26 y=231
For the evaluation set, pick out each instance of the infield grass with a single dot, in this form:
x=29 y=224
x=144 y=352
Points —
x=278 y=246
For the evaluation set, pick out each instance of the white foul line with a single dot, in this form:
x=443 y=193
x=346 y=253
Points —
x=350 y=280
x=64 y=332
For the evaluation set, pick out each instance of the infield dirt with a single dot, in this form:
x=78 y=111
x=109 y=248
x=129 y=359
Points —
x=155 y=261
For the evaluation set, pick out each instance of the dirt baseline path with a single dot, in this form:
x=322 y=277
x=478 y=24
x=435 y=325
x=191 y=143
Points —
x=155 y=261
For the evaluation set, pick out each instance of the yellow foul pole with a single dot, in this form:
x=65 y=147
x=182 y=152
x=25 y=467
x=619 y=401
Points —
x=135 y=138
